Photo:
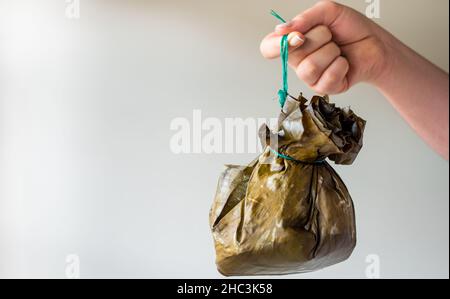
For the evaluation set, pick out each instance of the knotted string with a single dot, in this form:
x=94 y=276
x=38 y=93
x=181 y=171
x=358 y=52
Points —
x=283 y=93
x=318 y=162
x=284 y=54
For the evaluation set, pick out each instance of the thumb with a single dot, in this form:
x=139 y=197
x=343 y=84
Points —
x=323 y=13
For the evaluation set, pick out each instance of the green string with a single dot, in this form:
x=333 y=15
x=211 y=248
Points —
x=284 y=54
x=319 y=162
x=283 y=93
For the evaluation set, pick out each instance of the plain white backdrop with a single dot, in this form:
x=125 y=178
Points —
x=85 y=165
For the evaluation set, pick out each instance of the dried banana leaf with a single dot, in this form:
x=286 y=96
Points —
x=282 y=216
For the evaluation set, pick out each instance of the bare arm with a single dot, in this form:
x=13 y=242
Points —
x=419 y=91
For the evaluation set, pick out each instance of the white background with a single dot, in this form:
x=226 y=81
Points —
x=85 y=163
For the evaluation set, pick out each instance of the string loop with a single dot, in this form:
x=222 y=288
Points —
x=284 y=54
x=283 y=93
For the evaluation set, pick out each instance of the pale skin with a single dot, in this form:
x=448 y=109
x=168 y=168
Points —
x=333 y=47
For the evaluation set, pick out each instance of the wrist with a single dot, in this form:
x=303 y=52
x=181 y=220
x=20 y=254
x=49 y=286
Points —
x=387 y=61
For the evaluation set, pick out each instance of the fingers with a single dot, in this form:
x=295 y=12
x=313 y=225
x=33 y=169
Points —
x=313 y=66
x=315 y=39
x=300 y=45
x=316 y=59
x=334 y=79
x=323 y=13
x=316 y=56
x=270 y=46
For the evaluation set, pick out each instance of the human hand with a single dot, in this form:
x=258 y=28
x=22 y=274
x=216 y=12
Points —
x=340 y=47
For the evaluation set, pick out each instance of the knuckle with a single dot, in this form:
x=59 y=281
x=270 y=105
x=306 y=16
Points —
x=332 y=77
x=325 y=32
x=321 y=88
x=345 y=86
x=336 y=74
x=295 y=58
x=308 y=71
x=329 y=5
x=344 y=64
x=336 y=49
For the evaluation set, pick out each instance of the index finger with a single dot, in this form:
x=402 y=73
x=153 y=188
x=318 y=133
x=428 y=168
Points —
x=323 y=13
x=271 y=44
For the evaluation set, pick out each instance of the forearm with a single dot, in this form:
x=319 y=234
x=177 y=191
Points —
x=419 y=91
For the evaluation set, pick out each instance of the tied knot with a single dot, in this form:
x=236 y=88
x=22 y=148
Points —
x=282 y=95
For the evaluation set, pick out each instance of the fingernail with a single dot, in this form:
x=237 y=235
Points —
x=296 y=40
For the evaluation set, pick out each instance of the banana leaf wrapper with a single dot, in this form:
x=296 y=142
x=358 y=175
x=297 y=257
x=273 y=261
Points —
x=280 y=216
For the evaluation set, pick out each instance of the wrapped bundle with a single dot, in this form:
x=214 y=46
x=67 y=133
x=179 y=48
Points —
x=289 y=211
